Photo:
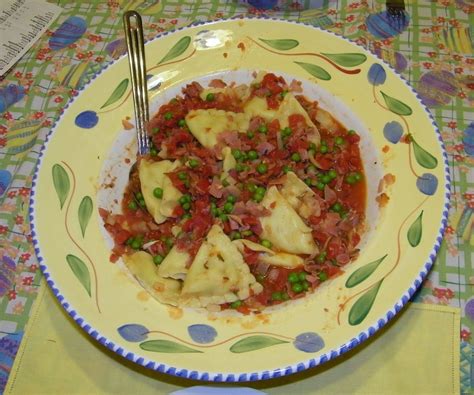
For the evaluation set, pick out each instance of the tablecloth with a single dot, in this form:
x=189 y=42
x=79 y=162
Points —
x=434 y=52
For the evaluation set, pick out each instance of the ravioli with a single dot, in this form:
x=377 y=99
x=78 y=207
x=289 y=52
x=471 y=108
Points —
x=284 y=227
x=175 y=264
x=282 y=259
x=152 y=175
x=206 y=125
x=298 y=194
x=218 y=273
x=145 y=271
x=228 y=163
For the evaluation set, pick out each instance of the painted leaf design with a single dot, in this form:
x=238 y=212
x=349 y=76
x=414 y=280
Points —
x=281 y=44
x=61 y=183
x=423 y=157
x=117 y=93
x=346 y=59
x=178 y=49
x=396 y=105
x=166 y=346
x=315 y=71
x=84 y=213
x=80 y=270
x=256 y=342
x=361 y=308
x=415 y=231
x=363 y=273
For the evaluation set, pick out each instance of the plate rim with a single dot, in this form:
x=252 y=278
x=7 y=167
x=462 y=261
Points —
x=227 y=377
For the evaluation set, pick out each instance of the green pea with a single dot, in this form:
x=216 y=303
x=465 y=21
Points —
x=258 y=198
x=239 y=167
x=293 y=277
x=157 y=259
x=168 y=115
x=295 y=157
x=263 y=128
x=185 y=199
x=305 y=285
x=308 y=181
x=139 y=195
x=314 y=183
x=339 y=140
x=158 y=192
x=182 y=176
x=350 y=179
x=169 y=242
x=302 y=276
x=186 y=206
x=210 y=96
x=247 y=233
x=285 y=296
x=320 y=186
x=286 y=169
x=234 y=235
x=136 y=244
x=266 y=243
x=337 y=207
x=193 y=163
x=357 y=176
x=311 y=152
x=250 y=134
x=351 y=132
x=236 y=153
x=181 y=123
x=186 y=216
x=332 y=173
x=286 y=132
x=153 y=151
x=283 y=94
x=312 y=146
x=155 y=130
x=251 y=187
x=321 y=258
x=252 y=155
x=262 y=168
x=323 y=149
x=297 y=287
x=132 y=205
x=231 y=199
x=261 y=190
x=311 y=169
x=141 y=202
x=276 y=295
x=228 y=207
x=323 y=276
x=223 y=217
x=325 y=178
x=236 y=304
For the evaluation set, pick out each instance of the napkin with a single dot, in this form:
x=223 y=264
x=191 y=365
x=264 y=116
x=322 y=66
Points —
x=417 y=353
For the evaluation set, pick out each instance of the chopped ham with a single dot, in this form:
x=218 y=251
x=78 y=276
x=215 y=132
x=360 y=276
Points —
x=329 y=195
x=216 y=188
x=265 y=147
x=217 y=83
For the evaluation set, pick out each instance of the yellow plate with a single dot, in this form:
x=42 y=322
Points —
x=84 y=167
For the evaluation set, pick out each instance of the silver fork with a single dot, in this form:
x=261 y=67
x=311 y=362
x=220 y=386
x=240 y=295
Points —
x=136 y=59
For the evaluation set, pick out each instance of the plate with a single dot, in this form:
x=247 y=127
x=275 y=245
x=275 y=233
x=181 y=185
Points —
x=84 y=165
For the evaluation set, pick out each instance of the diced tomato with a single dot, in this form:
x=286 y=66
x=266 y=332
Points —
x=273 y=102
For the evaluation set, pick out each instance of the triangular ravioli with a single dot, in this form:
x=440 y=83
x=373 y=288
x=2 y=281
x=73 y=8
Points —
x=218 y=273
x=298 y=194
x=282 y=259
x=152 y=175
x=175 y=264
x=145 y=271
x=206 y=125
x=284 y=227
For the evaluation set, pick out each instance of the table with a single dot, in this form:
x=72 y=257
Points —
x=434 y=53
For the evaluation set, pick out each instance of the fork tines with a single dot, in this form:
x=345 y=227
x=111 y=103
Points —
x=136 y=57
x=395 y=7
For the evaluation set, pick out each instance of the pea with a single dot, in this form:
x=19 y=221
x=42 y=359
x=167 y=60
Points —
x=311 y=169
x=136 y=244
x=351 y=132
x=181 y=123
x=286 y=132
x=314 y=183
x=321 y=258
x=283 y=94
x=250 y=134
x=155 y=130
x=323 y=276
x=311 y=152
x=297 y=287
x=293 y=277
x=231 y=199
x=263 y=128
x=182 y=176
x=262 y=168
x=337 y=207
x=320 y=186
x=132 y=205
x=350 y=179
x=325 y=179
x=239 y=167
x=210 y=96
x=332 y=173
x=295 y=157
x=185 y=199
x=302 y=276
x=236 y=153
x=261 y=190
x=252 y=155
x=276 y=295
x=286 y=169
x=153 y=151
x=251 y=187
x=186 y=216
x=305 y=285
x=157 y=259
x=193 y=163
x=228 y=207
x=323 y=149
x=357 y=176
x=258 y=198
x=308 y=181
x=139 y=195
x=223 y=217
x=234 y=235
x=186 y=206
x=312 y=146
x=266 y=243
x=339 y=140
x=168 y=115
x=247 y=233
x=285 y=296
x=141 y=202
x=158 y=192
x=236 y=304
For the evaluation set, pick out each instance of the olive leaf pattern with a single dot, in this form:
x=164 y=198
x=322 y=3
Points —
x=315 y=71
x=177 y=50
x=166 y=346
x=362 y=307
x=61 y=183
x=117 y=93
x=396 y=106
x=84 y=213
x=415 y=231
x=281 y=44
x=346 y=59
x=363 y=273
x=255 y=342
x=423 y=157
x=80 y=270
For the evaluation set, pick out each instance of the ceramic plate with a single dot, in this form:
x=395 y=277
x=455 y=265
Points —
x=85 y=165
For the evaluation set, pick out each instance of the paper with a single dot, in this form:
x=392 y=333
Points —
x=22 y=22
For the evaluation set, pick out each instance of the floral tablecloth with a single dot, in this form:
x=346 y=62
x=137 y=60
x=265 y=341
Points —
x=433 y=51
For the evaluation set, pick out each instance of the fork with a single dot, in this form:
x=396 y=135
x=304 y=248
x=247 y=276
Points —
x=396 y=13
x=136 y=58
